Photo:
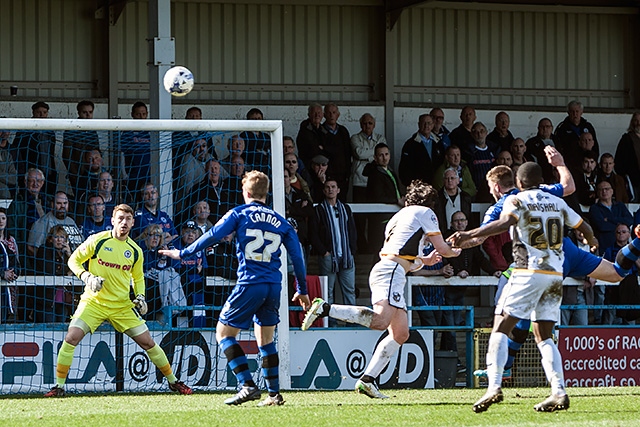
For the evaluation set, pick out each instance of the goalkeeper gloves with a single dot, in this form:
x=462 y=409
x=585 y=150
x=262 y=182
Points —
x=141 y=304
x=93 y=282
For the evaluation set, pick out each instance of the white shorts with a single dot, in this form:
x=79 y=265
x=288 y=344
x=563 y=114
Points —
x=387 y=282
x=532 y=295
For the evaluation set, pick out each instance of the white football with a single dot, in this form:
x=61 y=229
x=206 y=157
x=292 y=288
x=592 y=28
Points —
x=178 y=81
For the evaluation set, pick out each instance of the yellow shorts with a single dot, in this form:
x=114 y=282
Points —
x=122 y=319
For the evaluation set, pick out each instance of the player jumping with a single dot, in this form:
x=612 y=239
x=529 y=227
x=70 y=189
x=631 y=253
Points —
x=405 y=235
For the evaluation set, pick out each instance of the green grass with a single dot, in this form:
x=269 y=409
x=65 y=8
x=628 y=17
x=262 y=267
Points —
x=589 y=407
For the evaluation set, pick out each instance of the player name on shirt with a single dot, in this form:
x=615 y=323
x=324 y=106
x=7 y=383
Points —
x=265 y=217
x=543 y=207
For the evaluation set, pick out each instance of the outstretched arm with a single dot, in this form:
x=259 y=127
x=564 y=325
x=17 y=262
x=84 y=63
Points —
x=442 y=247
x=171 y=253
x=462 y=239
x=587 y=231
x=566 y=179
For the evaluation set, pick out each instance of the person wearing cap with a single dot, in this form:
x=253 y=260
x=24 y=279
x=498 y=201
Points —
x=319 y=166
x=36 y=150
x=192 y=272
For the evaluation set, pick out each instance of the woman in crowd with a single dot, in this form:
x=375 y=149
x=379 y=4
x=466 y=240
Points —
x=57 y=302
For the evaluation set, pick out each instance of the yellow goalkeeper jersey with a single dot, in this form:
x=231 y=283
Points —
x=118 y=262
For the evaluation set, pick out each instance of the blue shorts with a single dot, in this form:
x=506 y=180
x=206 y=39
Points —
x=577 y=263
x=249 y=304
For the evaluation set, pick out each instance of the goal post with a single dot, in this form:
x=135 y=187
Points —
x=162 y=167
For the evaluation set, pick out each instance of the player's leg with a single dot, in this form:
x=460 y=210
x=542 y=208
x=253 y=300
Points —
x=385 y=350
x=140 y=334
x=552 y=364
x=497 y=354
x=628 y=255
x=518 y=335
x=387 y=278
x=347 y=313
x=238 y=363
x=524 y=287
x=129 y=322
x=616 y=271
x=237 y=315
x=270 y=364
x=85 y=319
x=266 y=319
x=77 y=330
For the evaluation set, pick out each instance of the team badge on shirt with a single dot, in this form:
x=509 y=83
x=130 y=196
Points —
x=396 y=296
x=127 y=254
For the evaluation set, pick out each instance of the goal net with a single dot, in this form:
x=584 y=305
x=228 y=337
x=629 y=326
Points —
x=59 y=183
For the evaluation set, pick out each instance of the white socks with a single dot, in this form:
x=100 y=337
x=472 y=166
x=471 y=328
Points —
x=552 y=364
x=381 y=357
x=497 y=355
x=352 y=314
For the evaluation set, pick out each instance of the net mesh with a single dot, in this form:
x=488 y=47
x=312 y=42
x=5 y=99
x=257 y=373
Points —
x=59 y=187
x=527 y=370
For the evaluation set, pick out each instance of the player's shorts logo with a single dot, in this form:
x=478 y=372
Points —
x=396 y=296
x=127 y=254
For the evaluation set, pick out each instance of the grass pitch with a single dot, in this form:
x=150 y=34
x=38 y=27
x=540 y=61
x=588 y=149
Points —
x=609 y=407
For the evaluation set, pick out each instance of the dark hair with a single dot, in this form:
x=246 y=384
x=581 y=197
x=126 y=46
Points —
x=451 y=148
x=590 y=154
x=91 y=196
x=138 y=105
x=379 y=146
x=419 y=193
x=40 y=104
x=254 y=111
x=85 y=103
x=193 y=109
x=606 y=156
x=530 y=175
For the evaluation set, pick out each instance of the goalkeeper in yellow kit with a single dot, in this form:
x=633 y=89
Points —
x=113 y=259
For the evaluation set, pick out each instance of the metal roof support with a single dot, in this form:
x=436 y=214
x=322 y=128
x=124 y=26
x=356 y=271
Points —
x=162 y=53
x=390 y=59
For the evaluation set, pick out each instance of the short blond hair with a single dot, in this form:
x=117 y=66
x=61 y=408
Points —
x=502 y=175
x=124 y=208
x=256 y=183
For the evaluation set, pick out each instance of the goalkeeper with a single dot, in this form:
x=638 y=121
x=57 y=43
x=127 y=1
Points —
x=113 y=259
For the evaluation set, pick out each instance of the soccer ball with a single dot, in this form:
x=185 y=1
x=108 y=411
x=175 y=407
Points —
x=178 y=81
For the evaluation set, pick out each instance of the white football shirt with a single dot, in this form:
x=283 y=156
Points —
x=537 y=243
x=406 y=230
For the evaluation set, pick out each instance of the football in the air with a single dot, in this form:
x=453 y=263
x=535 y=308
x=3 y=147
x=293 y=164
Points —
x=178 y=81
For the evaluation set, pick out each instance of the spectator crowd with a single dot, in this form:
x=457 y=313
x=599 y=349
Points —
x=325 y=169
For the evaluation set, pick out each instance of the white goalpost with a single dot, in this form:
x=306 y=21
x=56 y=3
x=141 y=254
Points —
x=162 y=174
